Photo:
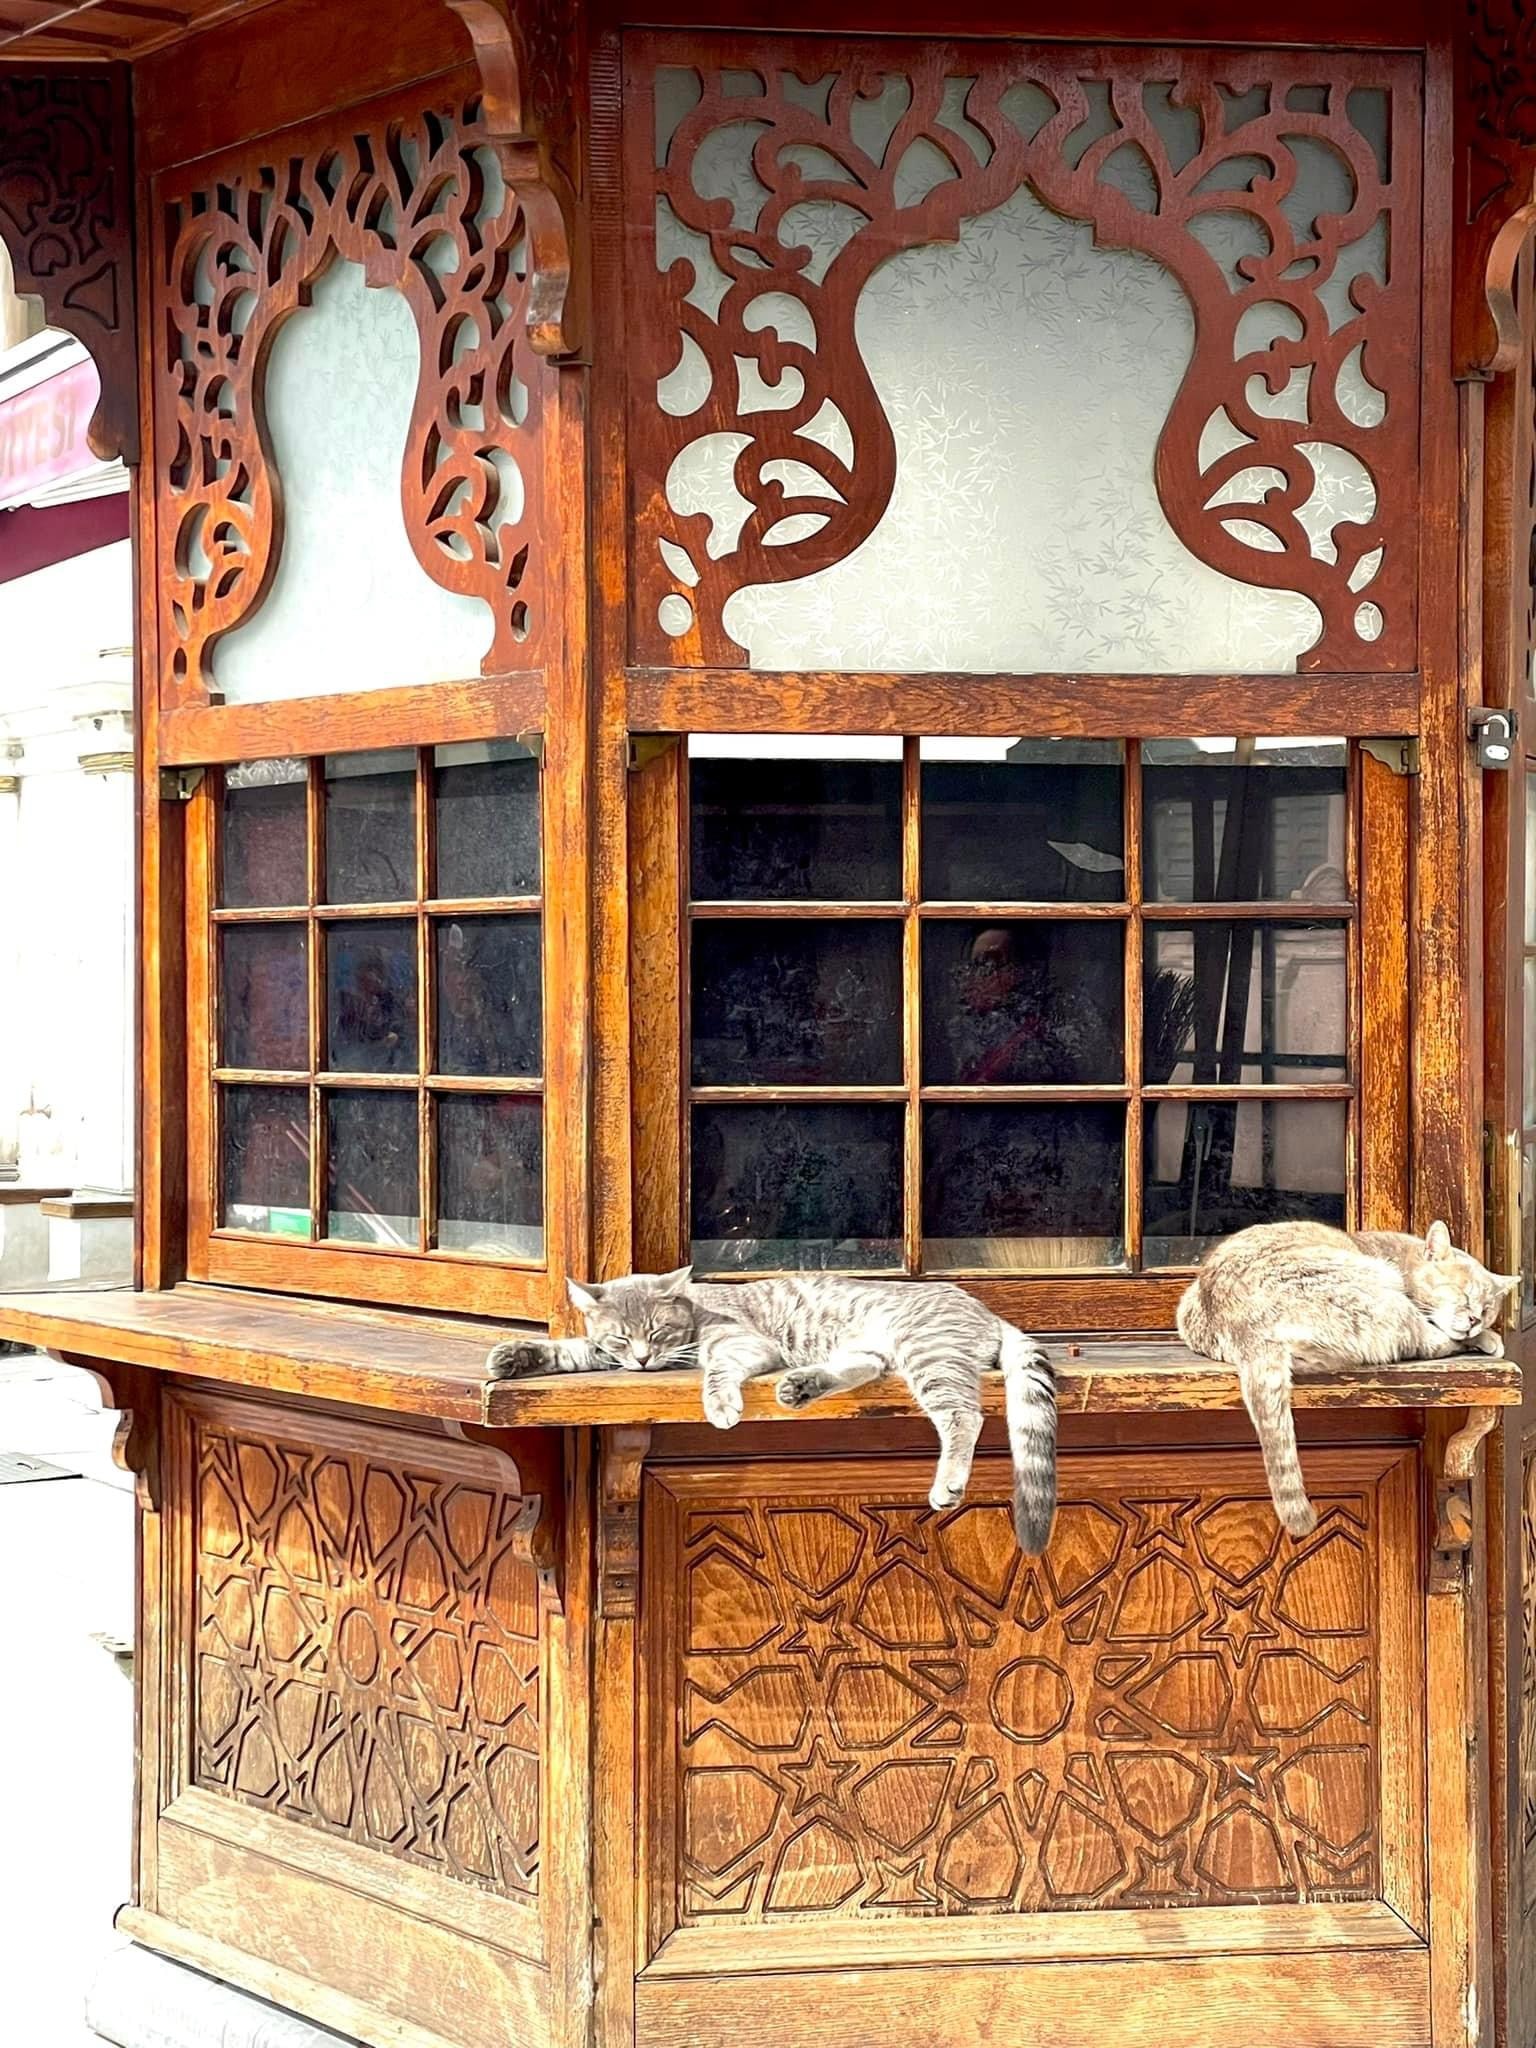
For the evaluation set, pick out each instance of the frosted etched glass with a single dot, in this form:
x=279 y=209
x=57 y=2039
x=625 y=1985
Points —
x=1026 y=375
x=349 y=607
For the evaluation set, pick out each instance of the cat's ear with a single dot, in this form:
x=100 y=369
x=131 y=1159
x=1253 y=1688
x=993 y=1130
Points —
x=584 y=1298
x=674 y=1283
x=1437 y=1241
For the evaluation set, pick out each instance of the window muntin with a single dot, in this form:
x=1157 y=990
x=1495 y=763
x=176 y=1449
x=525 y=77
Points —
x=1061 y=1074
x=377 y=1038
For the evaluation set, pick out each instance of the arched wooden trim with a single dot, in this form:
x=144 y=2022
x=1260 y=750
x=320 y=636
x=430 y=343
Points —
x=66 y=217
x=530 y=74
x=1499 y=287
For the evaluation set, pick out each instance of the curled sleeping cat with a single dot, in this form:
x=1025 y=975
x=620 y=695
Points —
x=1281 y=1294
x=823 y=1334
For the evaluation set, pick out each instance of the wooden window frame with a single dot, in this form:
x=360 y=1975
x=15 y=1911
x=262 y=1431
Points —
x=1100 y=1298
x=514 y=708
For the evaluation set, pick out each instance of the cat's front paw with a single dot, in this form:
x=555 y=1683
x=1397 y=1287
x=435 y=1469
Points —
x=722 y=1402
x=798 y=1389
x=1490 y=1343
x=519 y=1359
x=944 y=1493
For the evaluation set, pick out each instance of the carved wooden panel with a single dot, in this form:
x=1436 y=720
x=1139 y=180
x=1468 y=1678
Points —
x=869 y=1708
x=1495 y=172
x=367 y=1644
x=66 y=217
x=1527 y=1733
x=416 y=195
x=1304 y=370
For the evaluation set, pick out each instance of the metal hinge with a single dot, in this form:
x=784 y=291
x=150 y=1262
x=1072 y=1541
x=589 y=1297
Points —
x=645 y=747
x=1400 y=755
x=179 y=785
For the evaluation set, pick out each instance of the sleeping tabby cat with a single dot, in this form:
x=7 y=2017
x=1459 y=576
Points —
x=822 y=1334
x=1279 y=1294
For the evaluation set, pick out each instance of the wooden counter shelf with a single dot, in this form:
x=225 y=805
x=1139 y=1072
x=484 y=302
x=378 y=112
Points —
x=434 y=1366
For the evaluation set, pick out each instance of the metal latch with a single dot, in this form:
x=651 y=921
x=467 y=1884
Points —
x=1492 y=732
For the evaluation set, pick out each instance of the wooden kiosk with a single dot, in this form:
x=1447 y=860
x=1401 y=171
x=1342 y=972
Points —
x=876 y=638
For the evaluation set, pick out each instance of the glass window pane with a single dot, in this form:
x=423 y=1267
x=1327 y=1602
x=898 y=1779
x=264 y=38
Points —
x=371 y=1182
x=768 y=828
x=370 y=827
x=487 y=810
x=802 y=1185
x=490 y=1175
x=264 y=997
x=340 y=385
x=370 y=979
x=263 y=835
x=264 y=1160
x=1024 y=821
x=1530 y=1041
x=490 y=995
x=1530 y=860
x=1245 y=1003
x=1527 y=1233
x=1215 y=1167
x=1284 y=800
x=785 y=1003
x=1024 y=1186
x=1023 y=1002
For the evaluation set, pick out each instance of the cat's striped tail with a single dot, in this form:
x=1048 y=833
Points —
x=1029 y=1395
x=1266 y=1385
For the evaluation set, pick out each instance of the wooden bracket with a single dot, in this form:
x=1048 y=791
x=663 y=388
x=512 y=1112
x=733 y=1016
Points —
x=623 y=1453
x=134 y=1392
x=1453 y=1501
x=528 y=73
x=538 y=1535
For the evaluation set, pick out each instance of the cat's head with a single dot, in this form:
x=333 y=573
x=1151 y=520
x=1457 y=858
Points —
x=1453 y=1291
x=640 y=1324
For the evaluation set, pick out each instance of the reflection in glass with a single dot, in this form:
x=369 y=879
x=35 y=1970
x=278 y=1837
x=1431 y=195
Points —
x=1284 y=801
x=489 y=995
x=1215 y=1167
x=264 y=1160
x=490 y=1175
x=370 y=827
x=487 y=805
x=807 y=1003
x=264 y=997
x=371 y=1182
x=1022 y=1186
x=1022 y=821
x=370 y=980
x=774 y=829
x=263 y=835
x=1245 y=1003
x=1027 y=1003
x=779 y=1186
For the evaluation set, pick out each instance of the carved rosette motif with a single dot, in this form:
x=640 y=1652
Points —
x=66 y=217
x=880 y=1709
x=368 y=1653
x=420 y=201
x=1083 y=130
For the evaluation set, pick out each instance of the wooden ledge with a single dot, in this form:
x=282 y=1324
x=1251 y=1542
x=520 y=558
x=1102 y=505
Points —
x=1104 y=1376
x=430 y=1365
x=82 y=1208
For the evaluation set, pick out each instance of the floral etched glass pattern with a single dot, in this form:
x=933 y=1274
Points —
x=356 y=612
x=423 y=1085
x=1054 y=362
x=1054 y=1067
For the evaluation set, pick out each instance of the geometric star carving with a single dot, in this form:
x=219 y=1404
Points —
x=899 y=1526
x=1165 y=1518
x=1241 y=1773
x=818 y=1636
x=1240 y=1620
x=819 y=1777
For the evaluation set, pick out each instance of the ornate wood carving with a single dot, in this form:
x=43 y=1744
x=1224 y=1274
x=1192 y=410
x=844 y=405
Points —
x=876 y=1709
x=1085 y=129
x=1496 y=178
x=66 y=216
x=529 y=63
x=417 y=197
x=368 y=1644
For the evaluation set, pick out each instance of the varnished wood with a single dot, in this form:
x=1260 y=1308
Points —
x=424 y=715
x=1082 y=707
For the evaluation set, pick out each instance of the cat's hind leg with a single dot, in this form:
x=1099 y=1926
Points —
x=728 y=1358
